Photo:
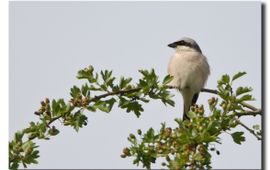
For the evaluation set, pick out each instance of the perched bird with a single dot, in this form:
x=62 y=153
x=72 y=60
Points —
x=189 y=69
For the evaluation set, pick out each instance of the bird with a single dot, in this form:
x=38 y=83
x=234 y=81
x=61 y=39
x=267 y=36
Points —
x=190 y=71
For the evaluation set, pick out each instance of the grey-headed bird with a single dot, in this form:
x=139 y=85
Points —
x=190 y=70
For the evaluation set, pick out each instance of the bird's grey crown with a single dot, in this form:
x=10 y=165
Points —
x=185 y=41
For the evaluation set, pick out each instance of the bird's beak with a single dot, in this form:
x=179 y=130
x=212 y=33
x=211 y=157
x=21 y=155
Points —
x=172 y=45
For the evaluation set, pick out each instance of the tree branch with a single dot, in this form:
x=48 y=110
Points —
x=120 y=92
x=250 y=113
x=209 y=91
x=251 y=107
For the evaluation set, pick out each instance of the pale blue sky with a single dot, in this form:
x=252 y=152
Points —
x=51 y=41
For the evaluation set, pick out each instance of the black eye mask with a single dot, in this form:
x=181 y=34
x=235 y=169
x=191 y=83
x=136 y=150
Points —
x=184 y=43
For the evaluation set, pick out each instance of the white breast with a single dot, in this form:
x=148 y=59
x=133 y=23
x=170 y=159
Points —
x=189 y=68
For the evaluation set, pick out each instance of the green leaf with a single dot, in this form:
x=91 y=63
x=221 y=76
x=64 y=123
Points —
x=167 y=79
x=246 y=97
x=105 y=106
x=59 y=107
x=238 y=75
x=142 y=83
x=110 y=82
x=224 y=94
x=28 y=146
x=226 y=78
x=53 y=131
x=256 y=127
x=75 y=91
x=18 y=136
x=87 y=73
x=104 y=87
x=143 y=99
x=241 y=90
x=191 y=114
x=124 y=82
x=166 y=97
x=238 y=137
x=91 y=108
x=93 y=88
x=106 y=75
x=135 y=107
x=14 y=165
x=110 y=103
x=101 y=105
x=149 y=135
x=85 y=90
x=79 y=120
x=55 y=106
x=131 y=105
x=145 y=73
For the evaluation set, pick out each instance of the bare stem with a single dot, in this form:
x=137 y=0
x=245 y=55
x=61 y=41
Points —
x=250 y=113
x=251 y=107
x=120 y=92
x=209 y=91
x=250 y=130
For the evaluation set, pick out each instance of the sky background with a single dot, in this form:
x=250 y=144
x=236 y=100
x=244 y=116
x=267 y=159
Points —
x=51 y=41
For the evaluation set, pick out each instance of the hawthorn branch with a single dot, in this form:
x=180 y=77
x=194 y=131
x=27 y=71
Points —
x=120 y=92
x=209 y=91
x=250 y=130
x=250 y=113
x=96 y=98
x=254 y=111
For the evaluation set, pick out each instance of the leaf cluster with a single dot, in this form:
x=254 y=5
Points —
x=100 y=91
x=188 y=146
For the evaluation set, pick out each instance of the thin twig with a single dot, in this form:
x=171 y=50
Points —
x=250 y=130
x=209 y=91
x=54 y=119
x=250 y=113
x=203 y=90
x=250 y=107
x=121 y=92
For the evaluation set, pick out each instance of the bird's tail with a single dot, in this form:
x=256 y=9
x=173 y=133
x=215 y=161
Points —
x=186 y=109
x=188 y=103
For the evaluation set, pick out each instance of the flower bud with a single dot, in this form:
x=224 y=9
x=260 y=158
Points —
x=48 y=113
x=53 y=131
x=168 y=130
x=132 y=136
x=42 y=109
x=47 y=100
x=126 y=151
x=223 y=106
x=211 y=101
x=37 y=113
x=123 y=156
x=43 y=103
x=139 y=131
